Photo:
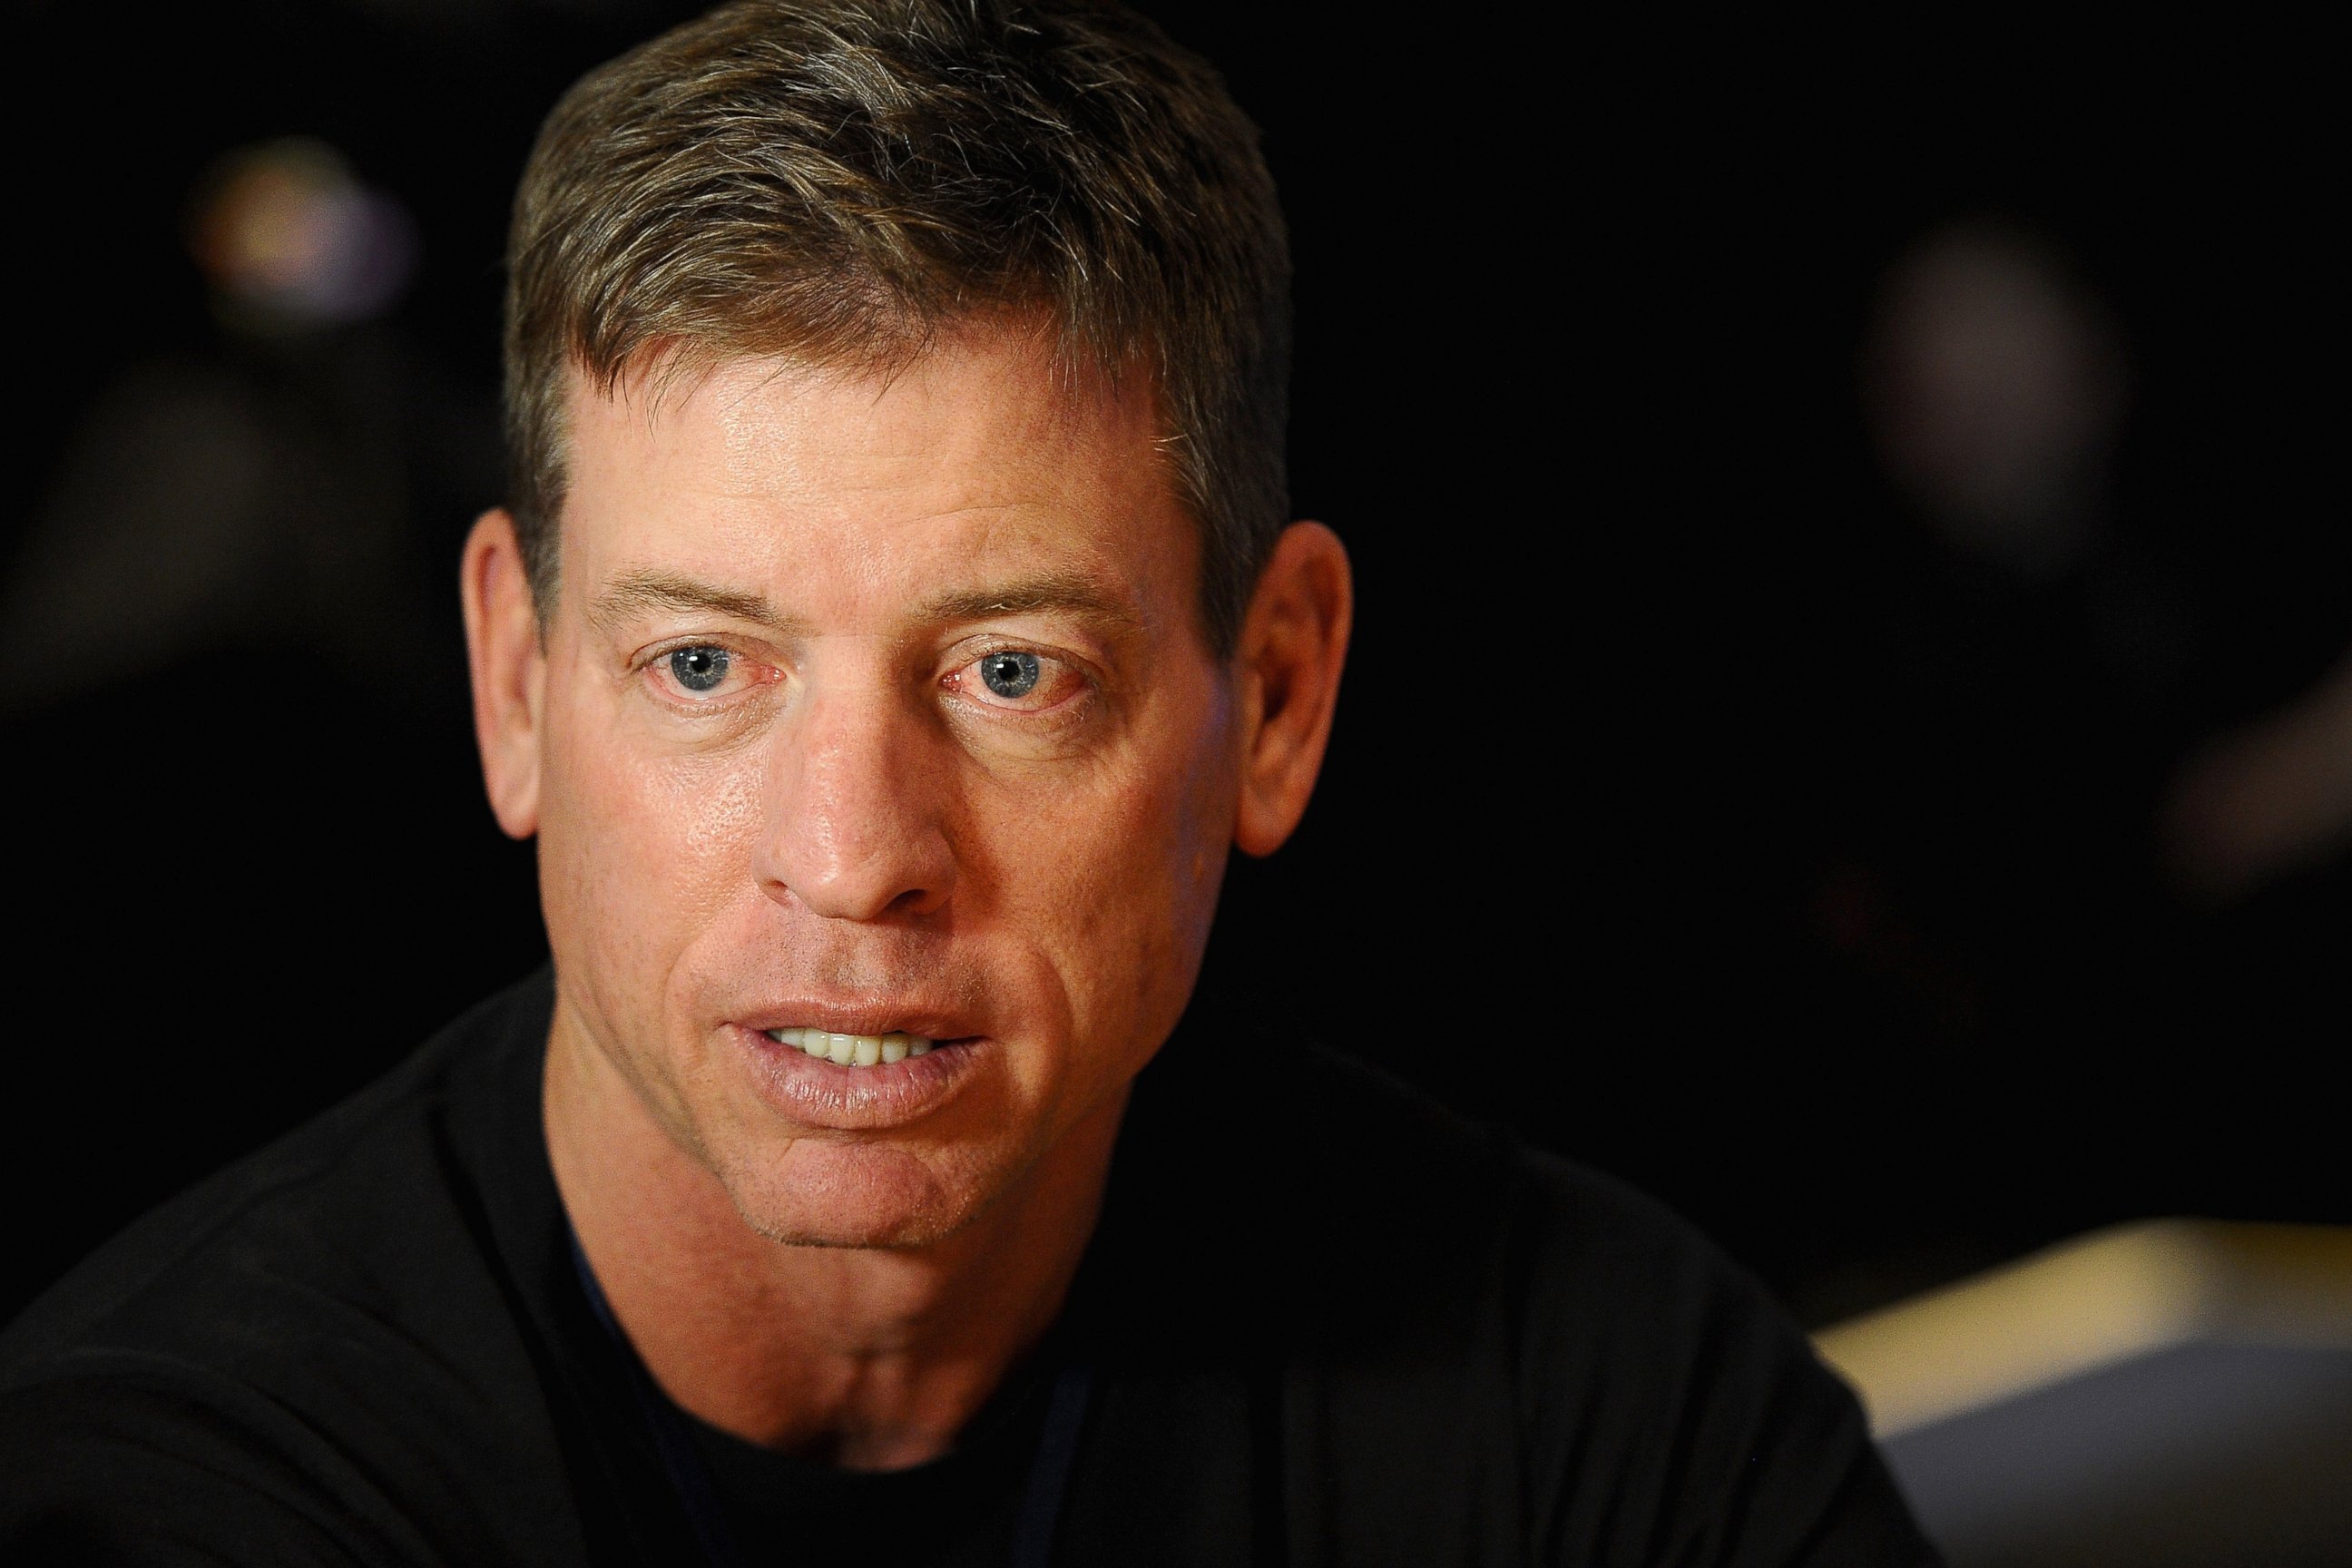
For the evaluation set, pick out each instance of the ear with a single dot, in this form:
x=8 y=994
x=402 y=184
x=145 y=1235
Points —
x=510 y=669
x=1292 y=645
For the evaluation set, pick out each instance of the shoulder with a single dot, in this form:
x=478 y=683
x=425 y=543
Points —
x=1400 y=1176
x=1646 y=1397
x=385 y=1169
x=270 y=1349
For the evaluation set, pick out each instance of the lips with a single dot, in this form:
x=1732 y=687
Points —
x=862 y=1080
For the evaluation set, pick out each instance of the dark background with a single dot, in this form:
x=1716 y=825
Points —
x=1704 y=804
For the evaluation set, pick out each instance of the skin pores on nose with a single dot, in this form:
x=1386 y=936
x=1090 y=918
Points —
x=696 y=871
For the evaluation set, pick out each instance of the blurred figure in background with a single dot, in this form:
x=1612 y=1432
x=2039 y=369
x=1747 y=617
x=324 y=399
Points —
x=2060 y=569
x=1994 y=384
x=253 y=498
x=2005 y=642
x=258 y=287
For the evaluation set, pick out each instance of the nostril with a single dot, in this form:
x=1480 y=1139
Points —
x=903 y=880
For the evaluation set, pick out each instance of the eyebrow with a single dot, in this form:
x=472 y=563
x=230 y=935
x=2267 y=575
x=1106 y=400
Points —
x=1067 y=593
x=645 y=590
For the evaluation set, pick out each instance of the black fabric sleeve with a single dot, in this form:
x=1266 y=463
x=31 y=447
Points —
x=150 y=1465
x=1686 y=1421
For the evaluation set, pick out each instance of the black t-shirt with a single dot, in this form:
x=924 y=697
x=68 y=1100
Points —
x=1322 y=1322
x=957 y=1511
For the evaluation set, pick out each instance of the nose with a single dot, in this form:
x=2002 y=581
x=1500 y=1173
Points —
x=855 y=824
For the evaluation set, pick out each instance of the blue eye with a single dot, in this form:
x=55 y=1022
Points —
x=1009 y=674
x=698 y=669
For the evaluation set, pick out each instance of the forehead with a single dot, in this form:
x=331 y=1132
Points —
x=786 y=476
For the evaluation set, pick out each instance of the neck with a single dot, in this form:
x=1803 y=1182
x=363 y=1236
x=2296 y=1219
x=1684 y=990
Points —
x=867 y=1358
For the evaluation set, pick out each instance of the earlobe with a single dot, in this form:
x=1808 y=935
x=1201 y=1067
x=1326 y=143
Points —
x=1292 y=644
x=509 y=667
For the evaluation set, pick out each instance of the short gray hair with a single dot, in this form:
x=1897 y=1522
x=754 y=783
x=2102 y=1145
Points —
x=839 y=179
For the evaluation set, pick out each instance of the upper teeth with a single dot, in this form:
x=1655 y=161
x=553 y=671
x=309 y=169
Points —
x=852 y=1050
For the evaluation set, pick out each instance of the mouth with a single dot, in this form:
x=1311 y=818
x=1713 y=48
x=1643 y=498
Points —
x=852 y=1050
x=856 y=1083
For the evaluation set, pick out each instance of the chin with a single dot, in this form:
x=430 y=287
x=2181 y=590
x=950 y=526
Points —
x=851 y=1196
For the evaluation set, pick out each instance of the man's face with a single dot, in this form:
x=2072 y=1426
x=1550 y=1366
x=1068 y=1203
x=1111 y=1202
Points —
x=877 y=706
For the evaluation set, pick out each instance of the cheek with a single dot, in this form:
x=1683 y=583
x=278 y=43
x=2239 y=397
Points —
x=1124 y=874
x=640 y=850
x=712 y=805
